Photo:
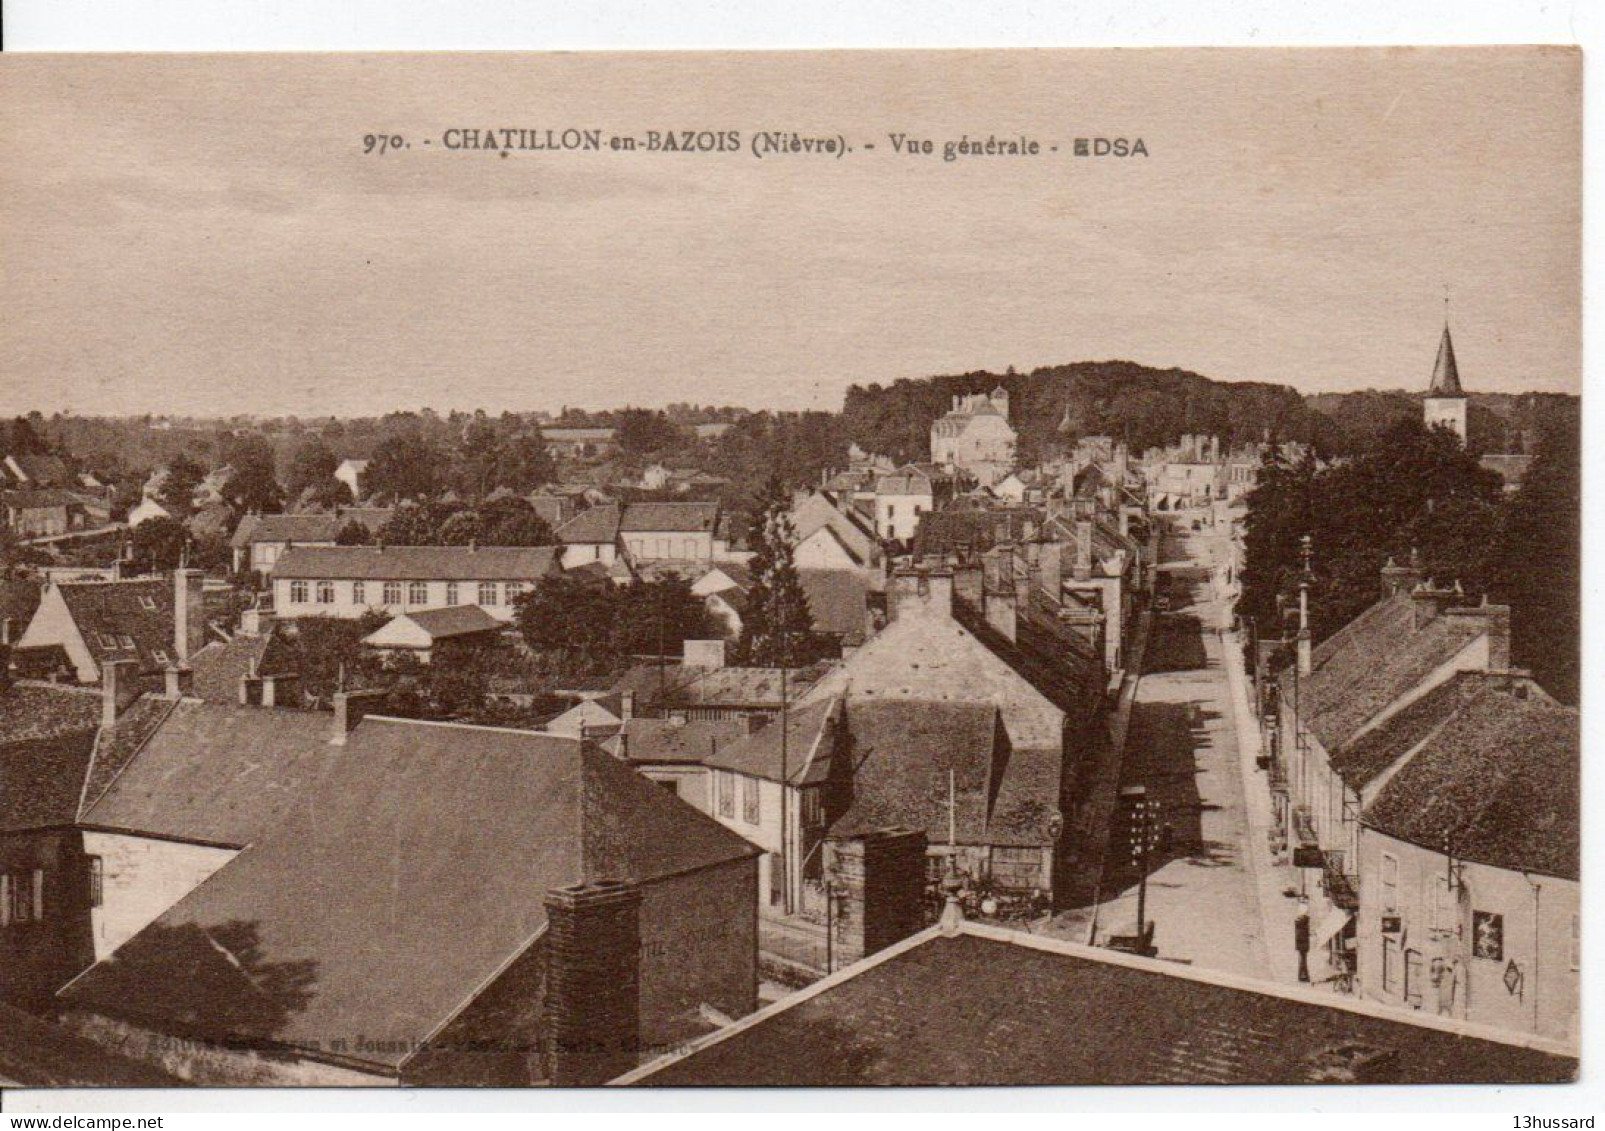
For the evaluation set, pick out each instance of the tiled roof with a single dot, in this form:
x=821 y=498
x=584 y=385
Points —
x=1367 y=755
x=990 y=1007
x=418 y=862
x=48 y=470
x=458 y=620
x=902 y=753
x=123 y=620
x=221 y=774
x=304 y=527
x=693 y=741
x=114 y=748
x=974 y=530
x=219 y=667
x=418 y=563
x=18 y=600
x=649 y=517
x=836 y=601
x=36 y=1053
x=37 y=710
x=41 y=778
x=817 y=512
x=1372 y=662
x=804 y=756
x=39 y=499
x=744 y=687
x=1497 y=782
x=596 y=526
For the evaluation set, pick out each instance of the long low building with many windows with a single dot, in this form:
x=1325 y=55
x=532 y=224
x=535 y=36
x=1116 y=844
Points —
x=348 y=581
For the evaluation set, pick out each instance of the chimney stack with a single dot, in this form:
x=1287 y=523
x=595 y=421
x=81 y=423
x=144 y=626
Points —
x=189 y=614
x=1083 y=563
x=1398 y=579
x=179 y=681
x=119 y=686
x=1428 y=601
x=592 y=1010
x=350 y=707
x=920 y=592
x=627 y=706
x=878 y=880
x=1496 y=623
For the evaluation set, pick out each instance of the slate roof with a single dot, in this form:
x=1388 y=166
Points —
x=817 y=512
x=596 y=526
x=38 y=1054
x=304 y=527
x=417 y=863
x=220 y=774
x=650 y=741
x=108 y=612
x=744 y=687
x=1498 y=781
x=48 y=470
x=37 y=710
x=42 y=498
x=41 y=778
x=419 y=563
x=1445 y=373
x=955 y=530
x=114 y=748
x=219 y=666
x=995 y=1007
x=902 y=752
x=836 y=601
x=1371 y=662
x=457 y=620
x=647 y=517
x=805 y=758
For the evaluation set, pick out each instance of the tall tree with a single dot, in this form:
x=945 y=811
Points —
x=177 y=492
x=1538 y=565
x=313 y=465
x=252 y=483
x=403 y=466
x=158 y=544
x=777 y=626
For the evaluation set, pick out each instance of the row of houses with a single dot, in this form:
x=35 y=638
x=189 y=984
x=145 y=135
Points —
x=1429 y=792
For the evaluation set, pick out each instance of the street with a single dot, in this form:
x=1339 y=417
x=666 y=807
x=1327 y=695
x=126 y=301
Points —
x=1203 y=895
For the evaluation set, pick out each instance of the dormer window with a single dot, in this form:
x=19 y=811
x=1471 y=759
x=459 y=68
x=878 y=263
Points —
x=158 y=655
x=148 y=603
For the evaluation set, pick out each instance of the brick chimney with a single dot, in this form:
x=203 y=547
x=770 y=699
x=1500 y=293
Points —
x=591 y=1015
x=119 y=686
x=349 y=709
x=627 y=705
x=189 y=614
x=878 y=881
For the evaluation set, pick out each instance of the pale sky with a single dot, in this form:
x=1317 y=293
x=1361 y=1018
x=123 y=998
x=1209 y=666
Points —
x=204 y=235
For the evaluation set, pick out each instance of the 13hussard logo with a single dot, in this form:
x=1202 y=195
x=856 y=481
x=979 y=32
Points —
x=1110 y=147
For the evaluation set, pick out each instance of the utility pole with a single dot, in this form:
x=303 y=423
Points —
x=785 y=774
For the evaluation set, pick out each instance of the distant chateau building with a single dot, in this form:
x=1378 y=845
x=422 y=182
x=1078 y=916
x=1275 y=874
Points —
x=1446 y=402
x=975 y=436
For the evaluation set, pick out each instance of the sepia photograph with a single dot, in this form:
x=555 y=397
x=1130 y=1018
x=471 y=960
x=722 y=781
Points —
x=808 y=569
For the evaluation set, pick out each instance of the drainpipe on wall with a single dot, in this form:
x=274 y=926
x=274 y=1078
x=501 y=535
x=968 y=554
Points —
x=1537 y=893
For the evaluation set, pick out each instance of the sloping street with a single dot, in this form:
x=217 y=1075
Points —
x=1202 y=893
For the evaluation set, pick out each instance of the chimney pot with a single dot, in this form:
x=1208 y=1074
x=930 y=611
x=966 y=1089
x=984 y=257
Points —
x=350 y=707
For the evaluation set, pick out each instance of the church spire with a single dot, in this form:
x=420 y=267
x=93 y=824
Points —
x=1445 y=373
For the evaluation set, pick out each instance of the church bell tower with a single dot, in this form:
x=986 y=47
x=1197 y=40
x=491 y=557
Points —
x=1446 y=402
